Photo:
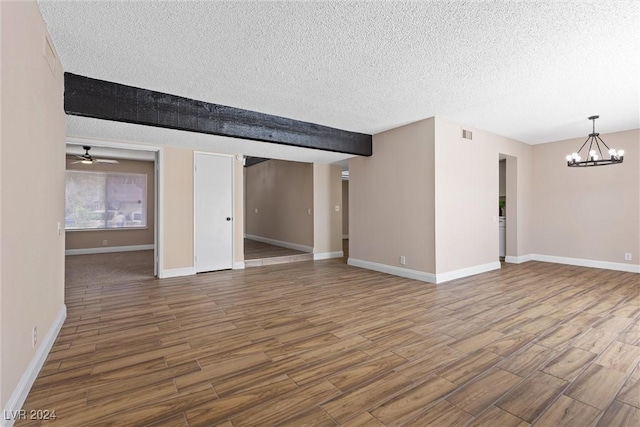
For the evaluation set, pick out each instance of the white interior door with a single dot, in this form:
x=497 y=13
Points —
x=213 y=198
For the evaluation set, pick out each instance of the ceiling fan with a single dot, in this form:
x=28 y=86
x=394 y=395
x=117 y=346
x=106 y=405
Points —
x=88 y=159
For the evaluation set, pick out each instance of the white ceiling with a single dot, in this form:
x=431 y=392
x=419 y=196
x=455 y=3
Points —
x=532 y=71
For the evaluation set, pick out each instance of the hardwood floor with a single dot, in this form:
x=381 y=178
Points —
x=322 y=344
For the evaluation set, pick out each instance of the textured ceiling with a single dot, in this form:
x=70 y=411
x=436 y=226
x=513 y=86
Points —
x=533 y=71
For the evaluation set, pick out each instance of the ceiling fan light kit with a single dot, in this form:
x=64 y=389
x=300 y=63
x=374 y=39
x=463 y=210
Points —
x=88 y=159
x=595 y=156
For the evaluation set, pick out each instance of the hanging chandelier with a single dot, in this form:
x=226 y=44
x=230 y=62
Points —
x=595 y=157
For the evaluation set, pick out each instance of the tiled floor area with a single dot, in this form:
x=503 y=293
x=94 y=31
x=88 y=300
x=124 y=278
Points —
x=322 y=343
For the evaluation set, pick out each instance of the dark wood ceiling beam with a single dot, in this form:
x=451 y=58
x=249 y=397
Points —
x=87 y=97
x=250 y=161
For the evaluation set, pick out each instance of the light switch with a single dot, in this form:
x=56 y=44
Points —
x=256 y=210
x=337 y=208
x=309 y=211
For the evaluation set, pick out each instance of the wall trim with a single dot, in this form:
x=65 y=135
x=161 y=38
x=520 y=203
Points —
x=19 y=395
x=239 y=265
x=109 y=249
x=396 y=271
x=177 y=272
x=468 y=271
x=328 y=255
x=518 y=259
x=281 y=243
x=607 y=265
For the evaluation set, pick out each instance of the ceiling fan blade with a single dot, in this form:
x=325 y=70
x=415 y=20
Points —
x=105 y=161
x=79 y=161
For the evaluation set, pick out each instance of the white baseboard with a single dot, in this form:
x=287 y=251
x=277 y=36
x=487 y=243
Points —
x=19 y=395
x=176 y=272
x=396 y=271
x=238 y=265
x=465 y=272
x=108 y=249
x=424 y=276
x=328 y=255
x=607 y=265
x=281 y=243
x=518 y=259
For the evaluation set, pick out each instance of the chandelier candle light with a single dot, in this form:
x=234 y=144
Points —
x=596 y=158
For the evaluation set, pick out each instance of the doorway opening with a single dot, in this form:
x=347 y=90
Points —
x=111 y=212
x=507 y=208
x=278 y=211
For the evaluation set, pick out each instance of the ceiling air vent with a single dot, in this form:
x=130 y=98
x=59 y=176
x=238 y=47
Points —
x=467 y=134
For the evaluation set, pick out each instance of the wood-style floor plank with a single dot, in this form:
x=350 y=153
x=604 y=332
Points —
x=569 y=412
x=480 y=393
x=620 y=415
x=596 y=386
x=325 y=344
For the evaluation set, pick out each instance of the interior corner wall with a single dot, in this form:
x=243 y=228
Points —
x=117 y=237
x=466 y=196
x=327 y=221
x=391 y=200
x=588 y=213
x=32 y=196
x=279 y=201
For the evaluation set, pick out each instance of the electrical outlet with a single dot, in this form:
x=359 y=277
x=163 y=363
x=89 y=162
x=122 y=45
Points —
x=337 y=208
x=105 y=243
x=34 y=339
x=403 y=260
x=256 y=210
x=309 y=211
x=627 y=256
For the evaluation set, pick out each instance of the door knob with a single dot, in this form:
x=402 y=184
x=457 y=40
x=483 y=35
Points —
x=228 y=218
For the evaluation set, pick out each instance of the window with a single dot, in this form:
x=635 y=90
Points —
x=105 y=200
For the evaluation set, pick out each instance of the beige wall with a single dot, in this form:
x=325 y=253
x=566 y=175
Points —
x=511 y=209
x=116 y=237
x=32 y=193
x=327 y=195
x=467 y=193
x=238 y=211
x=432 y=196
x=587 y=213
x=391 y=199
x=282 y=191
x=177 y=202
x=345 y=207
